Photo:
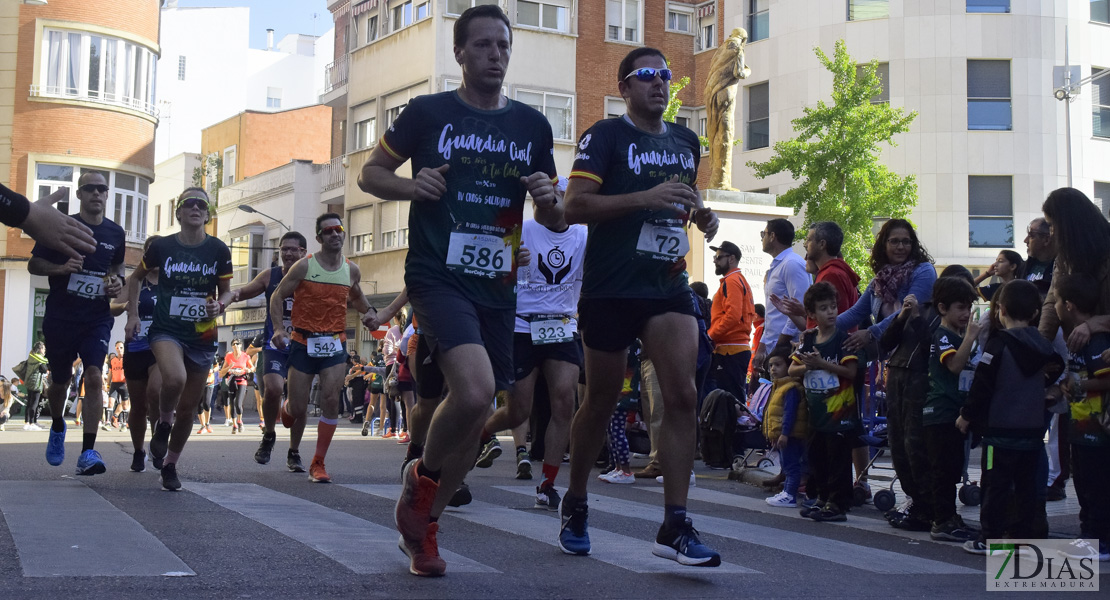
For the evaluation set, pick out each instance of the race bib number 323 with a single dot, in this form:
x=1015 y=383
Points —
x=479 y=255
x=551 y=329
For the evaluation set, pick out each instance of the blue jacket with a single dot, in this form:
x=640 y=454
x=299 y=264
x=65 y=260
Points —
x=869 y=305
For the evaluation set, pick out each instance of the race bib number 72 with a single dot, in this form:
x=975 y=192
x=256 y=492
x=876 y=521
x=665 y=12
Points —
x=662 y=242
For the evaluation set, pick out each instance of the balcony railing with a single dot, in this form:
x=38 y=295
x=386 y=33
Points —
x=335 y=74
x=140 y=105
x=334 y=174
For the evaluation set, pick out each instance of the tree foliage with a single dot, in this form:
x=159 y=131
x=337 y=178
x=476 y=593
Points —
x=674 y=103
x=835 y=158
x=211 y=168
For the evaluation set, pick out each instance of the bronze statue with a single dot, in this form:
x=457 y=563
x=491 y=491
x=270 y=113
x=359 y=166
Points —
x=726 y=70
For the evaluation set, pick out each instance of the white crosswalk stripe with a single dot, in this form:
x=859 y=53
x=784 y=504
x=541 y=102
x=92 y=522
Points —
x=611 y=548
x=852 y=555
x=78 y=549
x=355 y=543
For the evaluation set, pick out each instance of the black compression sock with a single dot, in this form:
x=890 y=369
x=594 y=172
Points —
x=88 y=441
x=424 y=472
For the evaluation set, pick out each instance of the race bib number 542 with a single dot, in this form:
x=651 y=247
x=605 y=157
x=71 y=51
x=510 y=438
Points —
x=479 y=255
x=324 y=346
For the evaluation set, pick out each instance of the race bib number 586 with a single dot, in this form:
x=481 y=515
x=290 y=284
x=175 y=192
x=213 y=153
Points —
x=479 y=255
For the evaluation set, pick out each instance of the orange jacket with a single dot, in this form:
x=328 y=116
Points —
x=733 y=312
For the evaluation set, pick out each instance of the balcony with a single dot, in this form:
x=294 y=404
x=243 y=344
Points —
x=112 y=100
x=333 y=179
x=335 y=75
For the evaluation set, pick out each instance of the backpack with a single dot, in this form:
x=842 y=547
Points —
x=20 y=370
x=717 y=423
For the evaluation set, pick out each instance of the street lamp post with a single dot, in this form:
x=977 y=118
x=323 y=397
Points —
x=250 y=209
x=1066 y=94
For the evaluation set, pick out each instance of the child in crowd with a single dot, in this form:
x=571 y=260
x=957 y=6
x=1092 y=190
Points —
x=950 y=376
x=1006 y=404
x=828 y=373
x=754 y=370
x=786 y=424
x=618 y=439
x=1085 y=387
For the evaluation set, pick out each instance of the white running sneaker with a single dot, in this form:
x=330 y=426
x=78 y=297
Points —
x=693 y=479
x=782 y=500
x=618 y=476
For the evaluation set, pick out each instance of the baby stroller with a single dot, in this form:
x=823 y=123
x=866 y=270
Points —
x=748 y=438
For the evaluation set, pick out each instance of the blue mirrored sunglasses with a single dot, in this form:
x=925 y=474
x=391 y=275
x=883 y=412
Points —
x=649 y=73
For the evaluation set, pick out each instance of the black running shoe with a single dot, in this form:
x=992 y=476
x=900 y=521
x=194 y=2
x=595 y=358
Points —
x=683 y=546
x=462 y=496
x=293 y=461
x=138 y=461
x=262 y=455
x=160 y=441
x=169 y=478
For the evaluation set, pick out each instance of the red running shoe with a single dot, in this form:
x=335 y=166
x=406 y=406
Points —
x=286 y=418
x=413 y=518
x=403 y=437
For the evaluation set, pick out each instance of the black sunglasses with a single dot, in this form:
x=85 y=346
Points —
x=89 y=188
x=649 y=73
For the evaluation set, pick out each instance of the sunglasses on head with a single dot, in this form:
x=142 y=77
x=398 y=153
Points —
x=331 y=229
x=89 y=188
x=193 y=202
x=649 y=73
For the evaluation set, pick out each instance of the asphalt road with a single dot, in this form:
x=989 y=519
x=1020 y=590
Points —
x=243 y=530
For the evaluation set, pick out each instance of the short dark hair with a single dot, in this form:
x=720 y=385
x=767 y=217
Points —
x=489 y=11
x=1015 y=259
x=700 y=289
x=782 y=351
x=783 y=230
x=325 y=217
x=949 y=290
x=629 y=59
x=296 y=235
x=818 y=292
x=761 y=311
x=830 y=233
x=1020 y=299
x=1078 y=288
x=958 y=271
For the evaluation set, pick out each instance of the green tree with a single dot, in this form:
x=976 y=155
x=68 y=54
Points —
x=211 y=166
x=835 y=158
x=674 y=103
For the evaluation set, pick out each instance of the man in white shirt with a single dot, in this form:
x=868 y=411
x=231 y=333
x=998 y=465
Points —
x=787 y=278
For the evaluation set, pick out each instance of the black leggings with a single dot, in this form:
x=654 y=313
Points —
x=31 y=412
x=240 y=393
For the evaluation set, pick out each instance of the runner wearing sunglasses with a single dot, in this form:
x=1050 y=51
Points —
x=475 y=156
x=324 y=283
x=194 y=285
x=78 y=320
x=633 y=182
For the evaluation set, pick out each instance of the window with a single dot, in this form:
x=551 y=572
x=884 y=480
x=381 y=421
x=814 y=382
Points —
x=1100 y=11
x=622 y=20
x=246 y=257
x=371 y=28
x=1100 y=104
x=1102 y=197
x=859 y=10
x=98 y=69
x=392 y=114
x=680 y=19
x=395 y=224
x=707 y=32
x=172 y=215
x=615 y=107
x=127 y=199
x=990 y=211
x=558 y=108
x=273 y=97
x=759 y=122
x=360 y=221
x=158 y=217
x=988 y=94
x=422 y=11
x=401 y=16
x=759 y=20
x=541 y=14
x=366 y=133
x=883 y=72
x=181 y=68
x=229 y=165
x=457 y=7
x=450 y=85
x=988 y=6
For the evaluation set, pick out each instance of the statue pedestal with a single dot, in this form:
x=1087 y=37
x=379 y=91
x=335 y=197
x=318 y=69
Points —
x=742 y=215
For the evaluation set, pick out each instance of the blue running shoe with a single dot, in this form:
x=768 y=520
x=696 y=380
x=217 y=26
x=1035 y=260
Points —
x=683 y=546
x=573 y=537
x=56 y=446
x=90 y=463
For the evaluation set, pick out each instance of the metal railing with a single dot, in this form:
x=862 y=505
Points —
x=258 y=184
x=334 y=174
x=140 y=105
x=335 y=74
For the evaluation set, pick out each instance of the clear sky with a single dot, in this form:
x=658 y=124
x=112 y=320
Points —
x=283 y=16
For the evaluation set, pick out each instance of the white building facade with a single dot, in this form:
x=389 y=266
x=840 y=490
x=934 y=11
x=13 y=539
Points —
x=989 y=141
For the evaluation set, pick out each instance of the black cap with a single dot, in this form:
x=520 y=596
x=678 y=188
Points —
x=728 y=247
